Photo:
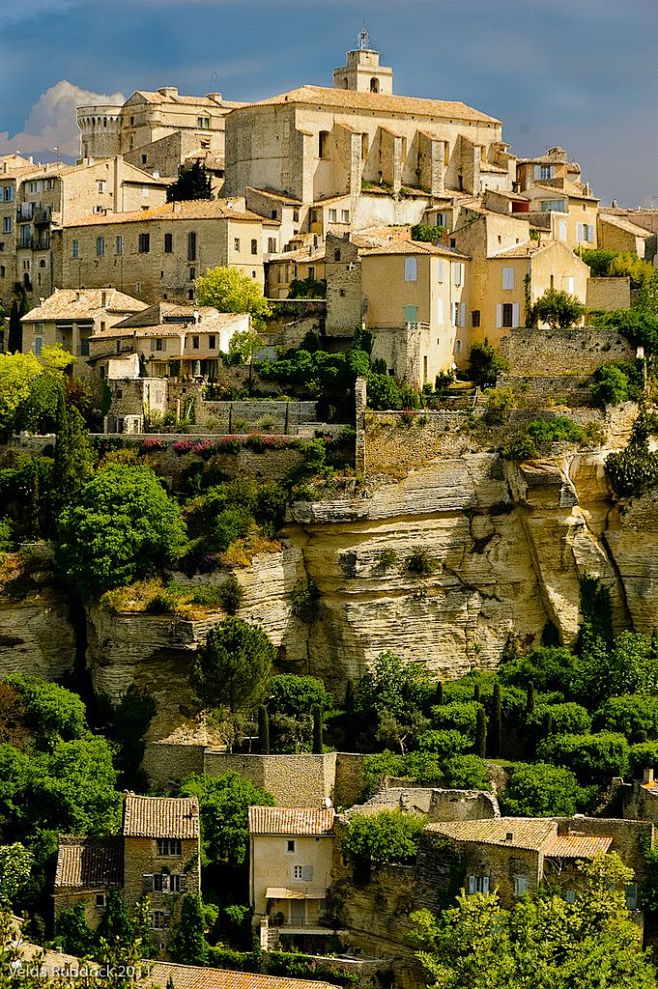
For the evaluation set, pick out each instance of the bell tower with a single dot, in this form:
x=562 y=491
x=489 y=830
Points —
x=362 y=72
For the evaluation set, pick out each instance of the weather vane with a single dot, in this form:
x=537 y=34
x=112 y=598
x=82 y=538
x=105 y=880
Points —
x=364 y=39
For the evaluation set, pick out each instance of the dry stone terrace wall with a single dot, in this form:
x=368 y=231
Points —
x=574 y=351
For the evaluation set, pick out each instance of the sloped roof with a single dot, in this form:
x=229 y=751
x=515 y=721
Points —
x=576 y=846
x=290 y=820
x=160 y=817
x=155 y=315
x=279 y=197
x=525 y=250
x=199 y=209
x=415 y=247
x=348 y=99
x=528 y=833
x=190 y=977
x=67 y=303
x=89 y=862
x=623 y=223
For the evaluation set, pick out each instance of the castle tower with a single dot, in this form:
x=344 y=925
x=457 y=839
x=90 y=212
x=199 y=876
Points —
x=100 y=130
x=363 y=72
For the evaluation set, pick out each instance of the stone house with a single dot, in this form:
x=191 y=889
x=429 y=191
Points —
x=37 y=199
x=620 y=233
x=156 y=854
x=281 y=269
x=515 y=855
x=290 y=861
x=70 y=317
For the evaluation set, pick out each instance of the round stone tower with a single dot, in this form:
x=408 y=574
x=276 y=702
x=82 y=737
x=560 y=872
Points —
x=100 y=130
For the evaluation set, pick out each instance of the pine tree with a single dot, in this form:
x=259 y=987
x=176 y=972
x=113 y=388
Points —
x=438 y=694
x=264 y=730
x=73 y=458
x=192 y=183
x=318 y=731
x=189 y=944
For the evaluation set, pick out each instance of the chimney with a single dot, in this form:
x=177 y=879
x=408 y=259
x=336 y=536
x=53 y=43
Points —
x=168 y=91
x=509 y=836
x=647 y=775
x=196 y=316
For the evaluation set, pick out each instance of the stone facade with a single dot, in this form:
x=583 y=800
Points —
x=608 y=293
x=574 y=351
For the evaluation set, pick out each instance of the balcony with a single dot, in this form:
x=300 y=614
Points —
x=24 y=211
x=42 y=215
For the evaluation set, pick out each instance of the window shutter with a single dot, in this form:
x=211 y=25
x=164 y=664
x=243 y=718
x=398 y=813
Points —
x=485 y=884
x=182 y=883
x=441 y=269
x=165 y=882
x=472 y=884
x=410 y=269
x=462 y=314
x=508 y=278
x=499 y=315
x=307 y=873
x=516 y=314
x=147 y=883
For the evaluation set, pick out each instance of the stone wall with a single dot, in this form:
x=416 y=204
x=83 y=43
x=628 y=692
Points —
x=435 y=804
x=293 y=780
x=165 y=762
x=608 y=293
x=575 y=351
x=278 y=417
x=563 y=389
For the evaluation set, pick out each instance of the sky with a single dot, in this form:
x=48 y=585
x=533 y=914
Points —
x=581 y=74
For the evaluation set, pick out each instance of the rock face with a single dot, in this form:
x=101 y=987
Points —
x=441 y=567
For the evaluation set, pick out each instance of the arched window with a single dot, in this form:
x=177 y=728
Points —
x=374 y=85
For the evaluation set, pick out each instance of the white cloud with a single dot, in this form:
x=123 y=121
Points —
x=51 y=121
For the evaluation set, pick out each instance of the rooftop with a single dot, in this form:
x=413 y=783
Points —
x=200 y=209
x=292 y=821
x=74 y=303
x=576 y=846
x=414 y=247
x=160 y=817
x=343 y=99
x=512 y=832
x=190 y=977
x=89 y=862
x=623 y=223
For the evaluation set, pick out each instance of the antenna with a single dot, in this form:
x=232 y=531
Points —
x=213 y=82
x=364 y=38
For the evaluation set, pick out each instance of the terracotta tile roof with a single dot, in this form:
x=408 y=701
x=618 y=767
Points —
x=89 y=862
x=344 y=99
x=576 y=846
x=529 y=833
x=76 y=303
x=201 y=209
x=155 y=97
x=278 y=196
x=289 y=820
x=160 y=817
x=415 y=247
x=310 y=254
x=189 y=977
x=568 y=188
x=331 y=199
x=623 y=223
x=525 y=250
x=155 y=315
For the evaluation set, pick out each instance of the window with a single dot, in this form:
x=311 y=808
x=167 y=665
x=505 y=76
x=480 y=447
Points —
x=212 y=341
x=475 y=318
x=337 y=254
x=74 y=249
x=458 y=346
x=168 y=243
x=84 y=346
x=100 y=899
x=9 y=194
x=569 y=284
x=100 y=247
x=458 y=313
x=520 y=885
x=374 y=85
x=195 y=343
x=138 y=287
x=118 y=349
x=303 y=873
x=191 y=246
x=631 y=896
x=169 y=846
x=344 y=216
x=254 y=246
x=159 y=920
x=144 y=243
x=290 y=845
x=3 y=271
x=552 y=206
x=118 y=245
x=236 y=243
x=333 y=215
x=100 y=185
x=144 y=159
x=570 y=895
x=6 y=224
x=563 y=230
x=478 y=884
x=410 y=269
x=203 y=123
x=585 y=232
x=457 y=273
x=441 y=219
x=508 y=278
x=159 y=344
x=507 y=315
x=323 y=144
x=410 y=314
x=544 y=172
x=271 y=245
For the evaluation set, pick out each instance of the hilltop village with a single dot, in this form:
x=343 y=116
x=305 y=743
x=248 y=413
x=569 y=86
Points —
x=328 y=532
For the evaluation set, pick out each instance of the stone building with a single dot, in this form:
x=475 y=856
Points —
x=156 y=130
x=282 y=269
x=35 y=200
x=620 y=233
x=70 y=317
x=158 y=253
x=290 y=860
x=157 y=853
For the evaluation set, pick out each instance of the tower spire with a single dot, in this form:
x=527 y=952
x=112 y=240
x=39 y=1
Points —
x=364 y=38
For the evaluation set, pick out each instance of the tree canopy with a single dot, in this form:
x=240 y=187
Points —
x=192 y=183
x=230 y=291
x=232 y=669
x=556 y=308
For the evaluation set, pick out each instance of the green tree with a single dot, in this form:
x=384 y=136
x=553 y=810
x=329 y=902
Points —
x=593 y=758
x=73 y=465
x=628 y=715
x=50 y=712
x=17 y=374
x=188 y=945
x=388 y=698
x=542 y=942
x=567 y=718
x=495 y=733
x=224 y=803
x=15 y=865
x=541 y=790
x=230 y=291
x=116 y=923
x=611 y=386
x=485 y=364
x=123 y=527
x=19 y=308
x=72 y=932
x=192 y=183
x=379 y=839
x=460 y=716
x=556 y=308
x=232 y=669
x=467 y=772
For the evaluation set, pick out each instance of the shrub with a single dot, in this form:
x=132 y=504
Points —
x=379 y=839
x=628 y=715
x=467 y=772
x=566 y=719
x=419 y=563
x=593 y=758
x=231 y=594
x=520 y=449
x=375 y=768
x=444 y=743
x=549 y=668
x=498 y=402
x=51 y=712
x=643 y=756
x=555 y=430
x=485 y=364
x=541 y=790
x=231 y=524
x=557 y=309
x=632 y=470
x=461 y=717
x=617 y=383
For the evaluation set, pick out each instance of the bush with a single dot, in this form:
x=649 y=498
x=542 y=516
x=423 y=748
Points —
x=566 y=719
x=520 y=449
x=556 y=309
x=498 y=402
x=485 y=364
x=461 y=717
x=420 y=563
x=555 y=430
x=379 y=839
x=51 y=712
x=593 y=758
x=444 y=743
x=628 y=715
x=643 y=756
x=633 y=470
x=231 y=524
x=549 y=668
x=231 y=594
x=616 y=383
x=383 y=392
x=467 y=772
x=375 y=768
x=541 y=790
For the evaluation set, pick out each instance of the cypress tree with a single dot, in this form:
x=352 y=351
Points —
x=15 y=338
x=548 y=724
x=530 y=697
x=318 y=731
x=264 y=730
x=476 y=692
x=73 y=458
x=495 y=737
x=438 y=694
x=481 y=733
